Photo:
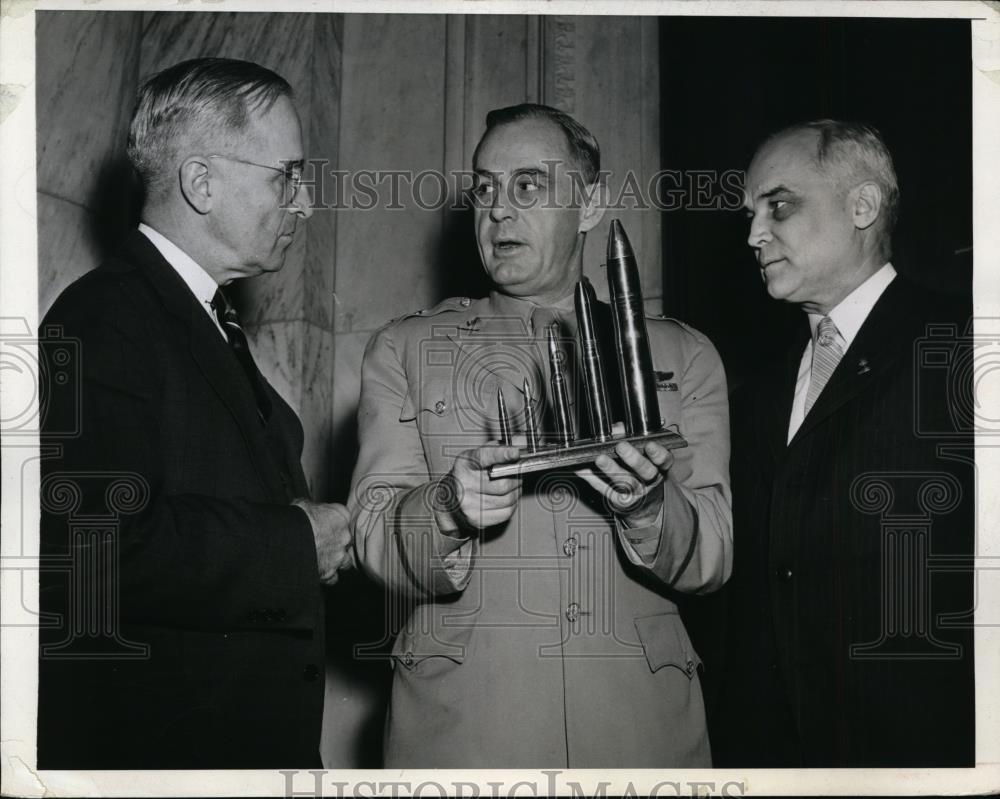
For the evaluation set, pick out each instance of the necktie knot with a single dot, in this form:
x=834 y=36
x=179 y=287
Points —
x=225 y=312
x=826 y=332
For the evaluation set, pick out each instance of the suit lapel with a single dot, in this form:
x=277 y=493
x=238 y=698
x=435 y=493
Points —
x=779 y=416
x=208 y=350
x=880 y=342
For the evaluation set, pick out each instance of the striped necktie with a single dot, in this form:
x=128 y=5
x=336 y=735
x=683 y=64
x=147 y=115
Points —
x=827 y=352
x=238 y=343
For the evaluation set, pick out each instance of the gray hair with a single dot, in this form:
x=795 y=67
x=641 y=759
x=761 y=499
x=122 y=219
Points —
x=582 y=144
x=851 y=153
x=195 y=102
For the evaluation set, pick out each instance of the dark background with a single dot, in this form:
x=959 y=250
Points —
x=727 y=83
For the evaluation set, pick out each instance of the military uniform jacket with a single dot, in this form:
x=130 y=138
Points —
x=551 y=640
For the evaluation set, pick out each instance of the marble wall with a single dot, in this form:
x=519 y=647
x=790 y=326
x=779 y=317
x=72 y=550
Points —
x=375 y=92
x=84 y=96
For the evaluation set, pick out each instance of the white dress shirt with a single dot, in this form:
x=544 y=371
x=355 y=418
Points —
x=202 y=284
x=848 y=316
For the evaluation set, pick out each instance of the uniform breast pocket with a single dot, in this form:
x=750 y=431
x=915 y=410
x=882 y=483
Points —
x=668 y=396
x=447 y=422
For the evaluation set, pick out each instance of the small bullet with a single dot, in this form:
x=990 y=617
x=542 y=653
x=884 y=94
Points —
x=593 y=370
x=560 y=400
x=530 y=425
x=505 y=437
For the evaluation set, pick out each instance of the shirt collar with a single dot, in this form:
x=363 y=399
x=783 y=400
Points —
x=506 y=305
x=201 y=284
x=851 y=312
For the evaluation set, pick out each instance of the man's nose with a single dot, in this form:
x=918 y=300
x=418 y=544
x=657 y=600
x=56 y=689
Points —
x=301 y=203
x=760 y=232
x=502 y=207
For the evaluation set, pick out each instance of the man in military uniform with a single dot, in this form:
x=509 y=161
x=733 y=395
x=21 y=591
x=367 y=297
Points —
x=540 y=629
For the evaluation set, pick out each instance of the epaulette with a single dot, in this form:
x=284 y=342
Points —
x=659 y=317
x=448 y=304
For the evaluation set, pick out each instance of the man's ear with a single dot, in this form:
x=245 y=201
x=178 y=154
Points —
x=196 y=184
x=867 y=205
x=595 y=203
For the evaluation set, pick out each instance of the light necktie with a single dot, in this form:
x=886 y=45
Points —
x=238 y=343
x=827 y=352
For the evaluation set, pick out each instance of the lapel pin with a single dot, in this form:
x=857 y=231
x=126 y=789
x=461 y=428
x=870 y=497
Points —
x=863 y=367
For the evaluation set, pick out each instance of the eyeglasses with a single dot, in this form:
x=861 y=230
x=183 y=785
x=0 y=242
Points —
x=291 y=174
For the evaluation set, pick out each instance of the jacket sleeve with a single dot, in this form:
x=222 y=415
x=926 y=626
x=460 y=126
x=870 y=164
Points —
x=690 y=548
x=155 y=556
x=396 y=536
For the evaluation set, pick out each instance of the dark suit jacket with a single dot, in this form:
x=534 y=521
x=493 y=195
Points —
x=185 y=617
x=858 y=532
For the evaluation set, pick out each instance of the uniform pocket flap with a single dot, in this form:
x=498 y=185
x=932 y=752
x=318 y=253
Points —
x=432 y=399
x=411 y=650
x=409 y=410
x=666 y=643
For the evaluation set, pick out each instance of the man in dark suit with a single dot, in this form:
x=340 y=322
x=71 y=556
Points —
x=849 y=636
x=183 y=566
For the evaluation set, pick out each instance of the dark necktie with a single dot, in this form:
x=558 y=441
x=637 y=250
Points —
x=238 y=342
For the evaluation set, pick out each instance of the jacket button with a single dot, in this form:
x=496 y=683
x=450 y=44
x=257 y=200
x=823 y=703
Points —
x=310 y=673
x=408 y=659
x=572 y=612
x=570 y=545
x=439 y=407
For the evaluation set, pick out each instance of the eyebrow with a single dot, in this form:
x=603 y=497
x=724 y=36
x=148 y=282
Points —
x=533 y=171
x=780 y=189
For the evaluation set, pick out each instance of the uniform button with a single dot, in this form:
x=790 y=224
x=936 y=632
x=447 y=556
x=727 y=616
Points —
x=310 y=673
x=570 y=545
x=408 y=659
x=690 y=667
x=465 y=302
x=572 y=612
x=439 y=407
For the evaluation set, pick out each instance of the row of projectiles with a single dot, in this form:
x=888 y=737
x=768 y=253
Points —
x=635 y=363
